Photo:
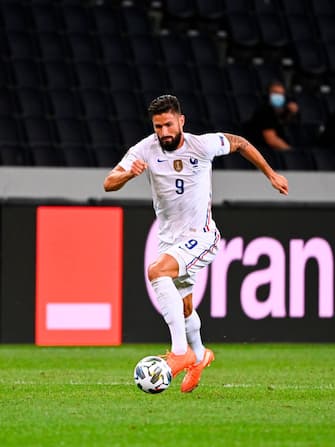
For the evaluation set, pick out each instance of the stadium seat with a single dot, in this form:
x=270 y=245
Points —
x=107 y=156
x=6 y=77
x=32 y=102
x=181 y=78
x=58 y=74
x=243 y=34
x=83 y=47
x=175 y=49
x=267 y=7
x=222 y=114
x=329 y=102
x=145 y=49
x=246 y=104
x=46 y=156
x=121 y=77
x=266 y=73
x=52 y=46
x=297 y=160
x=241 y=78
x=64 y=103
x=90 y=75
x=107 y=20
x=180 y=9
x=304 y=135
x=102 y=132
x=95 y=104
x=233 y=161
x=212 y=10
x=311 y=108
x=204 y=50
x=71 y=132
x=26 y=73
x=10 y=132
x=13 y=156
x=114 y=49
x=294 y=8
x=212 y=80
x=150 y=77
x=273 y=31
x=8 y=104
x=324 y=159
x=136 y=22
x=77 y=156
x=39 y=131
x=310 y=57
x=76 y=19
x=126 y=105
x=301 y=28
x=194 y=110
x=15 y=16
x=22 y=45
x=323 y=7
x=238 y=6
x=326 y=28
x=45 y=17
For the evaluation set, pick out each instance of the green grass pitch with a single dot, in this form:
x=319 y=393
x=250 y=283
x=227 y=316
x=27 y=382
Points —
x=264 y=395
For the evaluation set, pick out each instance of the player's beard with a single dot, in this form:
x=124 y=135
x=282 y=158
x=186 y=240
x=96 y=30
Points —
x=170 y=144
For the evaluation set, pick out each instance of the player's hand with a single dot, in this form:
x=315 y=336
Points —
x=292 y=107
x=138 y=167
x=280 y=183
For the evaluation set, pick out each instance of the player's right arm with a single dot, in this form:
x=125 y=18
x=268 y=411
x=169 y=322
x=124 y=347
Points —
x=118 y=176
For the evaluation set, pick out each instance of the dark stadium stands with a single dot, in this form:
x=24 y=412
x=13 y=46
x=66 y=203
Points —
x=76 y=76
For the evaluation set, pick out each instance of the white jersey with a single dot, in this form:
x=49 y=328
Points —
x=181 y=182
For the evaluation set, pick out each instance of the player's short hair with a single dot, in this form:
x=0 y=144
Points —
x=275 y=83
x=164 y=104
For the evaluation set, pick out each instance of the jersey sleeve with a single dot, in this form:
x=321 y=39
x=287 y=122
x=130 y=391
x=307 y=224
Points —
x=134 y=153
x=215 y=144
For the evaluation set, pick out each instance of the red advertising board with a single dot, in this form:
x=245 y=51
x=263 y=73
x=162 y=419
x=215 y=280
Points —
x=79 y=275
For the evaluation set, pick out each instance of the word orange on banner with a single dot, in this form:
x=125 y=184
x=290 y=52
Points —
x=79 y=259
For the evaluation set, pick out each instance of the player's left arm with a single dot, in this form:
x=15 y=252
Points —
x=248 y=151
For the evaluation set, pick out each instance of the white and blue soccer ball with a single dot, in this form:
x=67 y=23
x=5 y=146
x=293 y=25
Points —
x=152 y=375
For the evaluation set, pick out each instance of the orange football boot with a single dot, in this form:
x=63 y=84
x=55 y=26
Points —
x=178 y=363
x=192 y=377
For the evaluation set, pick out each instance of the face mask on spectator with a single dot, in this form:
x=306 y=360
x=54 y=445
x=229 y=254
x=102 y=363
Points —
x=277 y=99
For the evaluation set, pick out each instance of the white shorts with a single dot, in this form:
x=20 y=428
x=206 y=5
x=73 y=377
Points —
x=192 y=254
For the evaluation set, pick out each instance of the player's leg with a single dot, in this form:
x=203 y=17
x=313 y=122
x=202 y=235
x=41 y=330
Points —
x=161 y=274
x=192 y=328
x=204 y=355
x=207 y=246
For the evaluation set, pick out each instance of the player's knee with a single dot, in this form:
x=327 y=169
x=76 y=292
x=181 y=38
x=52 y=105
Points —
x=188 y=308
x=154 y=271
x=161 y=268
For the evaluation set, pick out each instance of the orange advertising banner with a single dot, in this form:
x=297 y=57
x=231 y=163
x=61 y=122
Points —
x=79 y=258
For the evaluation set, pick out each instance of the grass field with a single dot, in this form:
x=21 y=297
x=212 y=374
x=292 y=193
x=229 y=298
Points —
x=252 y=395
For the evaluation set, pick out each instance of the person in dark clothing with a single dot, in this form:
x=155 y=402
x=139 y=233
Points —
x=269 y=124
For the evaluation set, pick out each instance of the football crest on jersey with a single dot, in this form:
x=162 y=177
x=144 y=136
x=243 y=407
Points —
x=178 y=165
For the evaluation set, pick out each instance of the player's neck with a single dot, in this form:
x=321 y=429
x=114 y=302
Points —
x=181 y=143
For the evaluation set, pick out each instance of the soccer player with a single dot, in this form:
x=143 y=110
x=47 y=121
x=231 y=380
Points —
x=178 y=166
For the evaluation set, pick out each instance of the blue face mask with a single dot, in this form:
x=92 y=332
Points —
x=277 y=99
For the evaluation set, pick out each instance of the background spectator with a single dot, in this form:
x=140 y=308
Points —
x=270 y=123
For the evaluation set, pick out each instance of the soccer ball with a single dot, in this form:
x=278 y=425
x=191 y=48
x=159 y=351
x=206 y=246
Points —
x=152 y=375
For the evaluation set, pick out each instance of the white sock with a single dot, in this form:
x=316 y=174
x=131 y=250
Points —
x=192 y=326
x=171 y=306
